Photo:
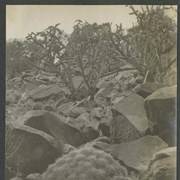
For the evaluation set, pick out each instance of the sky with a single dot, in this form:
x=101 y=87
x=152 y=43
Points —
x=24 y=19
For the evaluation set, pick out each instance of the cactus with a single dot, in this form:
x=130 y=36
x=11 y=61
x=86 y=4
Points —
x=86 y=164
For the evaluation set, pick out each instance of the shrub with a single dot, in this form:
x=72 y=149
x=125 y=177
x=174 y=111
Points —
x=15 y=62
x=86 y=164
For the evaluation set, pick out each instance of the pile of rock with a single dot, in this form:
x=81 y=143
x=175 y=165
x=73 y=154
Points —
x=133 y=121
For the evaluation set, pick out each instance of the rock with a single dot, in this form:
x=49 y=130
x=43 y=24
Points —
x=12 y=96
x=54 y=125
x=61 y=101
x=162 y=165
x=37 y=106
x=117 y=99
x=101 y=97
x=65 y=108
x=124 y=75
x=102 y=83
x=122 y=129
x=77 y=81
x=24 y=96
x=71 y=109
x=30 y=150
x=46 y=92
x=132 y=107
x=35 y=176
x=87 y=126
x=161 y=107
x=68 y=148
x=49 y=108
x=103 y=139
x=136 y=154
x=16 y=178
x=97 y=112
x=80 y=122
x=28 y=86
x=104 y=125
x=147 y=88
x=76 y=111
x=138 y=79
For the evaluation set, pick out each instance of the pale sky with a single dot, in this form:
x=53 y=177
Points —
x=23 y=19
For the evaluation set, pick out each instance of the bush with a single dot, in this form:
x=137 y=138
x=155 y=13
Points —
x=15 y=62
x=86 y=164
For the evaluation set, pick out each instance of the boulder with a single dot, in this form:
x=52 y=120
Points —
x=30 y=150
x=135 y=155
x=132 y=107
x=54 y=125
x=87 y=126
x=162 y=165
x=117 y=126
x=45 y=92
x=147 y=88
x=161 y=109
x=122 y=129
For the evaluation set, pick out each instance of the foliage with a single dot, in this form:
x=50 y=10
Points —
x=93 y=50
x=15 y=63
x=144 y=44
x=83 y=54
x=86 y=163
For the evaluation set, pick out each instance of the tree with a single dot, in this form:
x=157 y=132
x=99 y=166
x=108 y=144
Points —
x=144 y=43
x=83 y=54
x=15 y=63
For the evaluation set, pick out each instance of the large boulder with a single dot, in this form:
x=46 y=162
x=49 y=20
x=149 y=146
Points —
x=54 y=125
x=137 y=154
x=118 y=127
x=162 y=165
x=161 y=111
x=132 y=107
x=29 y=150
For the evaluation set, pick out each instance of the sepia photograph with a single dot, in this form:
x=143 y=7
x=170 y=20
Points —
x=91 y=92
